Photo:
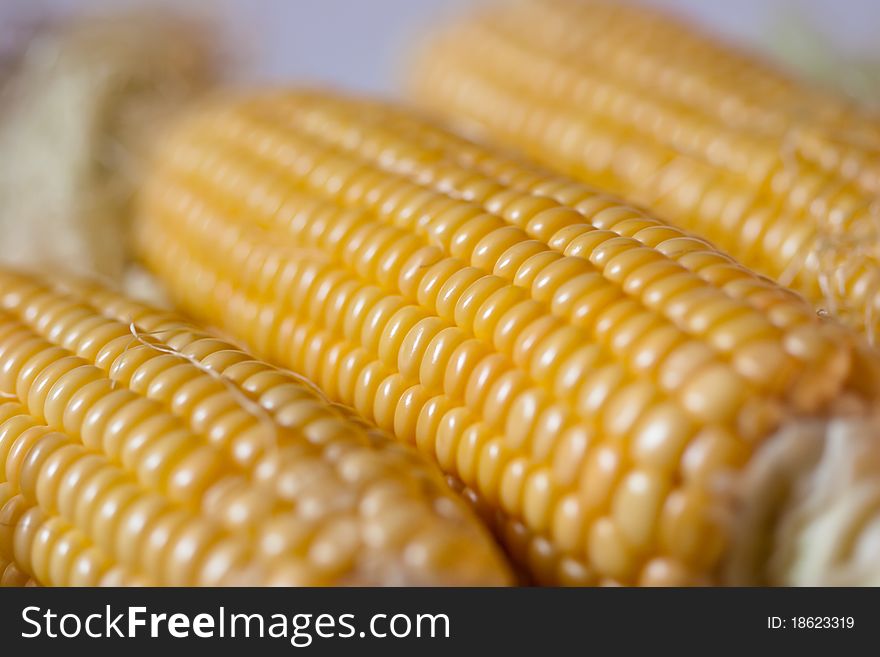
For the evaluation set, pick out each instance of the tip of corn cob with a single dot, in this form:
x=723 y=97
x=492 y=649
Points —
x=81 y=105
x=808 y=507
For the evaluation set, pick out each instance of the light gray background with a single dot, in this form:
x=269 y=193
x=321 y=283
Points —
x=359 y=43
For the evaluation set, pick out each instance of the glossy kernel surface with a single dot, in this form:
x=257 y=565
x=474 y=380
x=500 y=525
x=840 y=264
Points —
x=585 y=372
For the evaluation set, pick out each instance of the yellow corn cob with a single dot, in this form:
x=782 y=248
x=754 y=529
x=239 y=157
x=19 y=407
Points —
x=137 y=449
x=781 y=176
x=588 y=372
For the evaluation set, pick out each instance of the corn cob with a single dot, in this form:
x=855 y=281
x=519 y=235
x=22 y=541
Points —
x=137 y=449
x=782 y=176
x=596 y=377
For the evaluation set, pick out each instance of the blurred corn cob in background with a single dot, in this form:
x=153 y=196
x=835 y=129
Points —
x=138 y=449
x=781 y=175
x=635 y=406
x=82 y=99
